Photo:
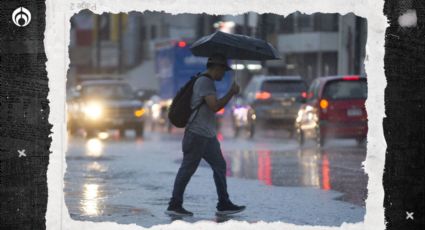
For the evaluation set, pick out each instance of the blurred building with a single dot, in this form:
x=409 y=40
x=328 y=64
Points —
x=156 y=28
x=124 y=44
x=311 y=45
x=99 y=44
x=316 y=45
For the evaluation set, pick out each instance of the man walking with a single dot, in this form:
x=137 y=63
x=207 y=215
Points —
x=200 y=140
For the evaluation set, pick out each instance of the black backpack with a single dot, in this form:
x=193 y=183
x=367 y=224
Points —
x=180 y=110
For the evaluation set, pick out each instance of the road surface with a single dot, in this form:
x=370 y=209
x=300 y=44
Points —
x=129 y=180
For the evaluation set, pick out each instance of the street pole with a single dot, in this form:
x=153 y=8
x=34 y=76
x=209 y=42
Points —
x=120 y=61
x=264 y=29
x=245 y=24
x=98 y=43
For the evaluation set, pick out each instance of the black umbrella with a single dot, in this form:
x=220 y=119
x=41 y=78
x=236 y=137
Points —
x=234 y=46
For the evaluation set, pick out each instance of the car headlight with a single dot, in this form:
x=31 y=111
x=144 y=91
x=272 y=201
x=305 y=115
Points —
x=299 y=116
x=156 y=111
x=93 y=110
x=309 y=108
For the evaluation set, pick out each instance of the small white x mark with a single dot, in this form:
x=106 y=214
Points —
x=409 y=215
x=22 y=153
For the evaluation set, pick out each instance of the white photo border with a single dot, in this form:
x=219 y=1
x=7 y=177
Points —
x=56 y=41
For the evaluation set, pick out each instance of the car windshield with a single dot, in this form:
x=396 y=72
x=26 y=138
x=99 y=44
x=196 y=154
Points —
x=110 y=91
x=284 y=86
x=342 y=89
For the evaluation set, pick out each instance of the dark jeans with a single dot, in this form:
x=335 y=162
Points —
x=196 y=147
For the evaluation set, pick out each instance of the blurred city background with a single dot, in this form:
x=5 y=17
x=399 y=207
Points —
x=311 y=45
x=293 y=140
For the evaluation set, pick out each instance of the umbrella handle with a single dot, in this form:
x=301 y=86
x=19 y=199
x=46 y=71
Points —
x=235 y=79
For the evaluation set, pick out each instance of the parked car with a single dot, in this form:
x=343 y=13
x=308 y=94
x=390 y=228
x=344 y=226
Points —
x=100 y=105
x=268 y=100
x=335 y=108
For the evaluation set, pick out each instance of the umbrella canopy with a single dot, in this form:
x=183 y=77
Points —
x=234 y=46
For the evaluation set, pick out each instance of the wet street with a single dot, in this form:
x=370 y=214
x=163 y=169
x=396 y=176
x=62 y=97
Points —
x=129 y=180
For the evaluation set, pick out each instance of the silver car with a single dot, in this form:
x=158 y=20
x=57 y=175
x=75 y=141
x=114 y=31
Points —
x=269 y=100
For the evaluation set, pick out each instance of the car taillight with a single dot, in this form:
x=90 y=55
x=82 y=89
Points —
x=304 y=94
x=220 y=112
x=262 y=95
x=324 y=104
x=181 y=44
x=351 y=78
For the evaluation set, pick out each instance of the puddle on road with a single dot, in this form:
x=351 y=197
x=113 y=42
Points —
x=152 y=187
x=92 y=203
x=337 y=169
x=94 y=149
x=96 y=167
x=87 y=158
x=217 y=219
x=168 y=173
x=121 y=175
x=114 y=210
x=125 y=210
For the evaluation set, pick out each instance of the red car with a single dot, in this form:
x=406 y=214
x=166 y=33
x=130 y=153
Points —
x=335 y=108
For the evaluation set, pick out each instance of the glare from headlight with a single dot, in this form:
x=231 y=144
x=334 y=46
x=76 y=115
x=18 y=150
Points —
x=300 y=113
x=241 y=113
x=156 y=110
x=310 y=116
x=309 y=108
x=103 y=135
x=93 y=110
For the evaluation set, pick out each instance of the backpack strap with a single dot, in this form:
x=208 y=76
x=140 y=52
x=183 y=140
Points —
x=198 y=107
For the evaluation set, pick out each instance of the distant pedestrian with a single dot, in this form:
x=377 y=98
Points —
x=200 y=140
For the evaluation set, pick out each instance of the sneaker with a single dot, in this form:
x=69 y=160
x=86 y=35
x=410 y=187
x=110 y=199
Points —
x=178 y=211
x=229 y=208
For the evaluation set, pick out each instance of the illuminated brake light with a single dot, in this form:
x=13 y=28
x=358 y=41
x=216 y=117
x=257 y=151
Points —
x=351 y=78
x=324 y=104
x=262 y=95
x=182 y=44
x=304 y=94
x=220 y=112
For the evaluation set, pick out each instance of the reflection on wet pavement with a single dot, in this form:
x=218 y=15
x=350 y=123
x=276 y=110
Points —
x=94 y=147
x=96 y=167
x=90 y=202
x=217 y=219
x=130 y=180
x=324 y=169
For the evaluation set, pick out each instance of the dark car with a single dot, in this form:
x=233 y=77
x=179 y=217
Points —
x=269 y=100
x=105 y=104
x=335 y=108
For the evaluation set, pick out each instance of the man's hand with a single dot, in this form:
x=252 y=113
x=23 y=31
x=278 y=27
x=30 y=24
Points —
x=216 y=104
